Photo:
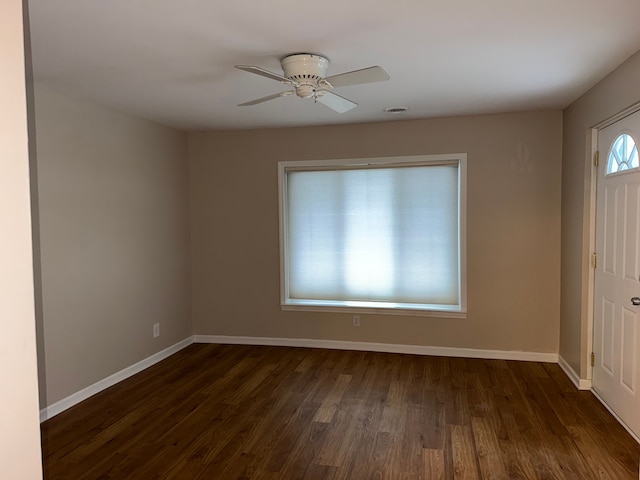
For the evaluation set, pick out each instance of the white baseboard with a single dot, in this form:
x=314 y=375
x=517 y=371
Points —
x=580 y=383
x=381 y=347
x=71 y=400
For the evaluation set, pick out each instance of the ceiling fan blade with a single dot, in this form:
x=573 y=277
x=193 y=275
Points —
x=335 y=102
x=265 y=73
x=266 y=99
x=356 y=77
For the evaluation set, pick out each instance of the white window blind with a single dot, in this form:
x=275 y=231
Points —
x=386 y=236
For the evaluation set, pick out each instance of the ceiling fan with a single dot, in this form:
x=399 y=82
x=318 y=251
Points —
x=306 y=72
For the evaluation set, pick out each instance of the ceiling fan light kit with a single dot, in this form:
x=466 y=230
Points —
x=306 y=73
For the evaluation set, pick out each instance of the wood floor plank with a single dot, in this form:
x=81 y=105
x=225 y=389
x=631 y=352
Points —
x=463 y=453
x=382 y=446
x=330 y=403
x=367 y=389
x=341 y=434
x=518 y=454
x=614 y=464
x=487 y=450
x=434 y=464
x=305 y=451
x=248 y=413
x=394 y=407
x=434 y=421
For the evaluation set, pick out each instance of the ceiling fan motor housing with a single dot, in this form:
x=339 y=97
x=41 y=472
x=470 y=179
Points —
x=305 y=69
x=306 y=74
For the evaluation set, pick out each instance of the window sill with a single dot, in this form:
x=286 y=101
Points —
x=440 y=311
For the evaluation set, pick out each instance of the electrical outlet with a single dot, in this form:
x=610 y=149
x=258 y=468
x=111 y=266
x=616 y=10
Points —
x=356 y=320
x=156 y=330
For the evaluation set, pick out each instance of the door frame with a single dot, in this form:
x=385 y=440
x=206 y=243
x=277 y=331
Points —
x=589 y=240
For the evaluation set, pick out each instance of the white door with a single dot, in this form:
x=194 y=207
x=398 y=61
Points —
x=616 y=373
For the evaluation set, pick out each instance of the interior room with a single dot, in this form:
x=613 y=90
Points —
x=143 y=209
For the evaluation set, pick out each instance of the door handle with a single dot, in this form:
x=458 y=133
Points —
x=635 y=300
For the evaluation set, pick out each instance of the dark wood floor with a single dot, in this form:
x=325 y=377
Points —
x=243 y=412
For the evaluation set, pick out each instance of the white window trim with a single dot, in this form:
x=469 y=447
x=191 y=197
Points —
x=358 y=307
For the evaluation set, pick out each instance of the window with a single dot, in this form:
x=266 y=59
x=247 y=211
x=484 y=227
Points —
x=383 y=233
x=623 y=154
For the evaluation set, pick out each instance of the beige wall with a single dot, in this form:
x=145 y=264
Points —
x=19 y=429
x=114 y=239
x=513 y=245
x=616 y=92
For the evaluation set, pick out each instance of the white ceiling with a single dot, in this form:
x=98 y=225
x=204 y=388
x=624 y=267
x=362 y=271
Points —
x=172 y=60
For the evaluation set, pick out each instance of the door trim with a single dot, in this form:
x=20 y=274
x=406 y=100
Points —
x=630 y=110
x=592 y=173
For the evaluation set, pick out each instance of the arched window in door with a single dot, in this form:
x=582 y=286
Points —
x=623 y=154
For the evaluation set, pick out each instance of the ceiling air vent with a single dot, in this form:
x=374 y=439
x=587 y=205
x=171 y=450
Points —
x=401 y=109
